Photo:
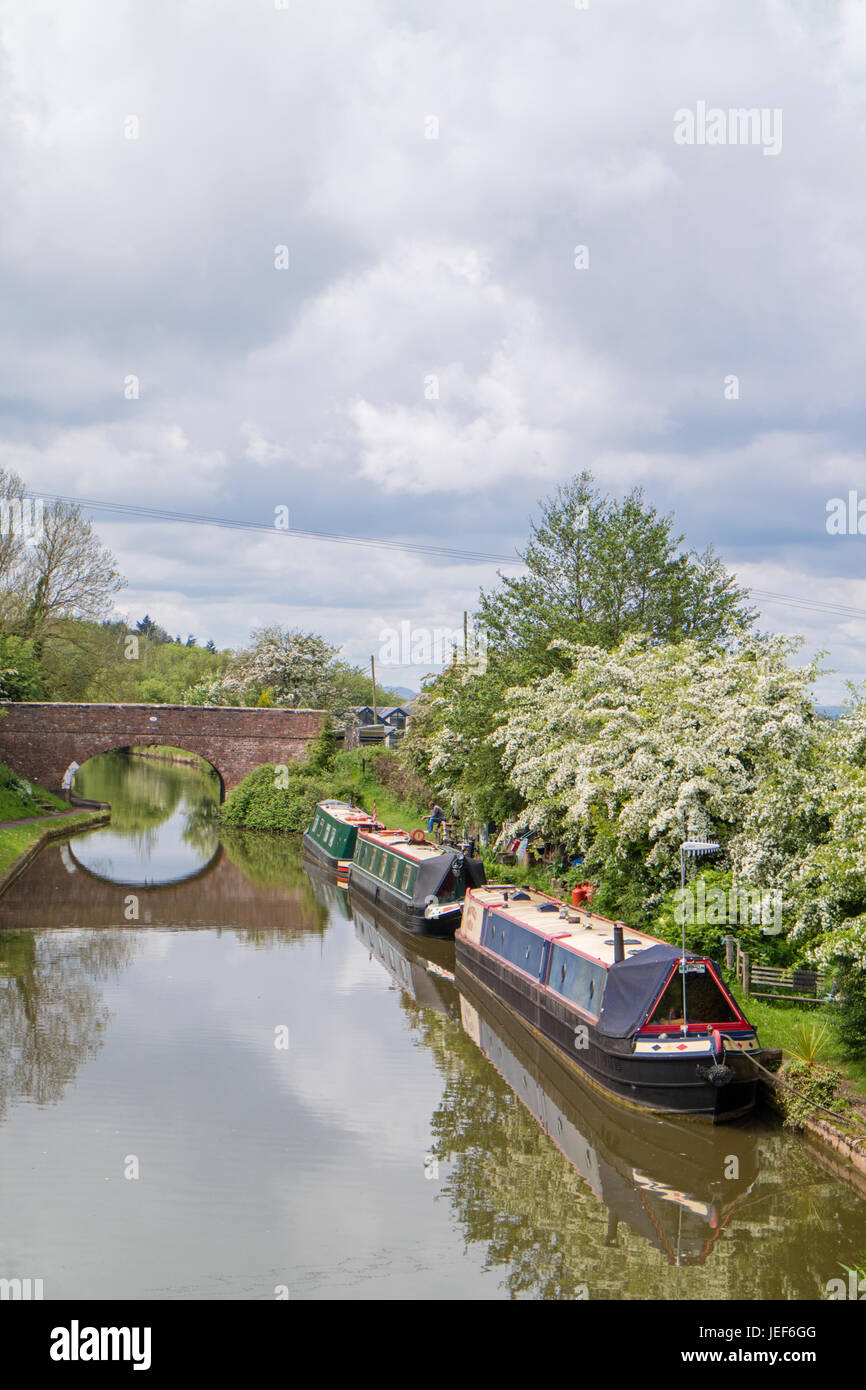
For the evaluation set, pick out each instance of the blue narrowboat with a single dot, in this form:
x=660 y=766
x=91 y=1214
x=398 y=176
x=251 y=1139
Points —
x=649 y=1024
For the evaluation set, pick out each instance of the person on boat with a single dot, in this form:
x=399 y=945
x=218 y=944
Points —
x=436 y=817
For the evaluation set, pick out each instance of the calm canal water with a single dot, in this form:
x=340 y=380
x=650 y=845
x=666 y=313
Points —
x=408 y=1142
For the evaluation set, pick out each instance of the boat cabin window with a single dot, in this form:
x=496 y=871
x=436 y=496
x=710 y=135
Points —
x=576 y=978
x=705 y=1002
x=516 y=944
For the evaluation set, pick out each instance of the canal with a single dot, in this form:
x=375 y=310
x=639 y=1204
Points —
x=218 y=1081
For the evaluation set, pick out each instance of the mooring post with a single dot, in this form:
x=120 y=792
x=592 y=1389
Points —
x=730 y=943
x=746 y=972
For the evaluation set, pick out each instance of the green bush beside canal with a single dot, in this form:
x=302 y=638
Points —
x=284 y=798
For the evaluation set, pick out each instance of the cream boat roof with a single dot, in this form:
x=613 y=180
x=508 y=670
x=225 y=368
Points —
x=582 y=930
x=399 y=841
x=348 y=815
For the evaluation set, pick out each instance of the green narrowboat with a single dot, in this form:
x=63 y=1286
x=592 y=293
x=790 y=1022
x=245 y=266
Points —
x=420 y=886
x=330 y=837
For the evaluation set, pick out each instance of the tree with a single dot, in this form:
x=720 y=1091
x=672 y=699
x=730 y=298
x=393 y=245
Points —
x=65 y=572
x=152 y=631
x=21 y=673
x=600 y=568
x=619 y=756
x=323 y=750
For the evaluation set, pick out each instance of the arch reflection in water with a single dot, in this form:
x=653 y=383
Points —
x=252 y=885
x=164 y=819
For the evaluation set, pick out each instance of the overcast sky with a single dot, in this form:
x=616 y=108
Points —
x=430 y=169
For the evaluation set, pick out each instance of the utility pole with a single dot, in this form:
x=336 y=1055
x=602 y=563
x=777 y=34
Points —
x=373 y=674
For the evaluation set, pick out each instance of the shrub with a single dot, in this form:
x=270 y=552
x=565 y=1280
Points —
x=815 y=1085
x=851 y=1010
x=262 y=802
x=398 y=777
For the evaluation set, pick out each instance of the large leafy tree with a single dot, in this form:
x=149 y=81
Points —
x=285 y=666
x=599 y=568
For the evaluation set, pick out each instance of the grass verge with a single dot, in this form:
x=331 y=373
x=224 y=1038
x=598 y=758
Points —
x=15 y=840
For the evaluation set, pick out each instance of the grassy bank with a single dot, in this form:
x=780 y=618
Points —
x=16 y=840
x=785 y=1025
x=21 y=800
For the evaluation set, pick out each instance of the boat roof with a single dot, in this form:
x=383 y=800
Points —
x=349 y=815
x=399 y=841
x=581 y=930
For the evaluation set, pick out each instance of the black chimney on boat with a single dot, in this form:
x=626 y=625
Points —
x=618 y=947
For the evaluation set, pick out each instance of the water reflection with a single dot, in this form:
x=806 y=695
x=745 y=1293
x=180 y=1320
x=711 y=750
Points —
x=164 y=819
x=238 y=889
x=575 y=1197
x=52 y=1013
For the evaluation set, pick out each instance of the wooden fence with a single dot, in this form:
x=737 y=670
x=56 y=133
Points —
x=804 y=986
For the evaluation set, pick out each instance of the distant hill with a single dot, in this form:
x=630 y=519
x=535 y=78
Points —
x=830 y=711
x=403 y=692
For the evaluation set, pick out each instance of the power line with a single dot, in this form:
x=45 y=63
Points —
x=197 y=519
x=810 y=605
x=380 y=543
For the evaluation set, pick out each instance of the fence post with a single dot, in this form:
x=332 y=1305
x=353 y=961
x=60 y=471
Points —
x=730 y=942
x=746 y=972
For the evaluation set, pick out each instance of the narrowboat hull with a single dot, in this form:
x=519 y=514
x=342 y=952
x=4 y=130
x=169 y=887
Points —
x=398 y=909
x=669 y=1085
x=333 y=863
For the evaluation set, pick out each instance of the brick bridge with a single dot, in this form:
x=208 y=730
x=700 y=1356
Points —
x=46 y=743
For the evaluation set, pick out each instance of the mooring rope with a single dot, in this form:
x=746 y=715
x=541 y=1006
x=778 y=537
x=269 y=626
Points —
x=782 y=1081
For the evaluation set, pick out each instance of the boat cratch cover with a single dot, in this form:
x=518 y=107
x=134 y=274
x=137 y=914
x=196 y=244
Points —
x=432 y=873
x=633 y=986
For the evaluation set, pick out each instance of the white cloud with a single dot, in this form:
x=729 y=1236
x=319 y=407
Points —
x=414 y=257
